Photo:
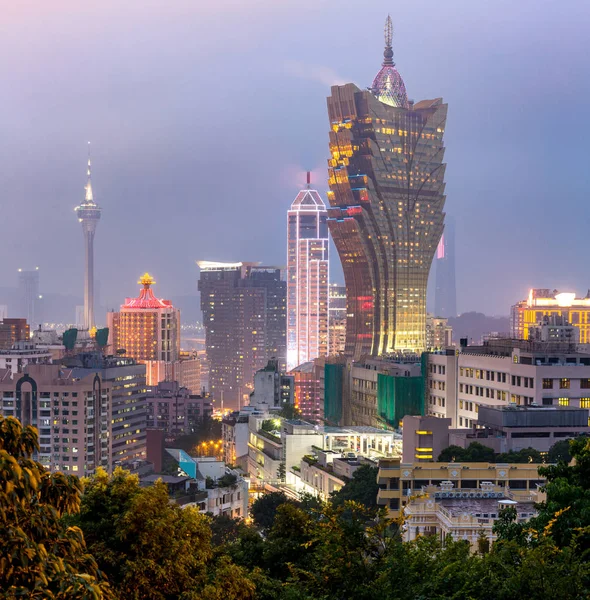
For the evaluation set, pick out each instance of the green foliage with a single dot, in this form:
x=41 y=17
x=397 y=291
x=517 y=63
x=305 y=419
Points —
x=40 y=556
x=268 y=425
x=560 y=451
x=565 y=515
x=290 y=411
x=264 y=508
x=149 y=547
x=362 y=488
x=281 y=472
x=475 y=452
x=526 y=455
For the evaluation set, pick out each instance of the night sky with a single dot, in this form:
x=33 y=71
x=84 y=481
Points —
x=204 y=116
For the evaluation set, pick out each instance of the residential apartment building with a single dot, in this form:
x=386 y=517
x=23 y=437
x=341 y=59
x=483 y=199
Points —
x=308 y=394
x=244 y=315
x=127 y=411
x=174 y=409
x=506 y=371
x=71 y=413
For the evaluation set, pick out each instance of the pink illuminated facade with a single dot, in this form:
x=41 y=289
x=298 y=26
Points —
x=307 y=278
x=148 y=329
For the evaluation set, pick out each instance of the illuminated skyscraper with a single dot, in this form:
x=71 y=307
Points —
x=244 y=316
x=445 y=298
x=89 y=215
x=307 y=278
x=386 y=178
x=148 y=329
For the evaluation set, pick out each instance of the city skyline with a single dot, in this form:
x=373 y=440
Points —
x=485 y=86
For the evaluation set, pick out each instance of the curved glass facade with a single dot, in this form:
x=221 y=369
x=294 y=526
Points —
x=386 y=177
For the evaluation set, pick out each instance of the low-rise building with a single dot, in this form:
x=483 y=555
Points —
x=208 y=484
x=22 y=354
x=442 y=510
x=326 y=472
x=439 y=334
x=399 y=482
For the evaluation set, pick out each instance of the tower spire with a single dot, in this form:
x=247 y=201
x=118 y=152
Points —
x=89 y=198
x=308 y=179
x=388 y=34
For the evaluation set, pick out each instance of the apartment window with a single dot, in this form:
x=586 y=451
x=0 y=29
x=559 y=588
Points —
x=461 y=371
x=547 y=384
x=585 y=384
x=564 y=383
x=564 y=402
x=461 y=404
x=547 y=401
x=460 y=387
x=584 y=402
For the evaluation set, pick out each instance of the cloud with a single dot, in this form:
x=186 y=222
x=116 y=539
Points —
x=316 y=73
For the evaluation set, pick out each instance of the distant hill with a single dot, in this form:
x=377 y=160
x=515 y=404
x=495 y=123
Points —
x=474 y=325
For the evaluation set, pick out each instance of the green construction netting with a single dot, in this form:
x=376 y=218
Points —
x=333 y=376
x=401 y=396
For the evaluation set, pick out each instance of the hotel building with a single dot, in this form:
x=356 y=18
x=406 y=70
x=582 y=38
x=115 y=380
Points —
x=148 y=329
x=386 y=178
x=543 y=303
x=307 y=278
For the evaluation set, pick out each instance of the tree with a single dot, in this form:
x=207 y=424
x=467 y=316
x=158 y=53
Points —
x=560 y=451
x=40 y=556
x=475 y=452
x=452 y=454
x=281 y=472
x=265 y=507
x=362 y=488
x=149 y=547
x=526 y=455
x=566 y=512
x=290 y=411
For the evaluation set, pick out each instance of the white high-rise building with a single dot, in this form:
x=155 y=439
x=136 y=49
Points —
x=307 y=278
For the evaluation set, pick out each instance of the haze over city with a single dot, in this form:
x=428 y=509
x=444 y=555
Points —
x=205 y=116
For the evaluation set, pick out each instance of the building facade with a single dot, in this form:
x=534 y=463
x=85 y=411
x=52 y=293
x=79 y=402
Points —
x=125 y=378
x=503 y=372
x=244 y=315
x=148 y=329
x=13 y=331
x=400 y=482
x=22 y=354
x=542 y=303
x=88 y=214
x=174 y=409
x=307 y=278
x=386 y=178
x=439 y=334
x=71 y=413
x=337 y=319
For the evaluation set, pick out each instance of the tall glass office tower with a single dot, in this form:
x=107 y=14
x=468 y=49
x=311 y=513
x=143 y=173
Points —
x=386 y=177
x=307 y=278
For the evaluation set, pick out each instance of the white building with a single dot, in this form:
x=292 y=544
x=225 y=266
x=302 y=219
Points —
x=307 y=278
x=504 y=371
x=22 y=354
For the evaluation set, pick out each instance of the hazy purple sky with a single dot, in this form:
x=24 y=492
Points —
x=203 y=117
